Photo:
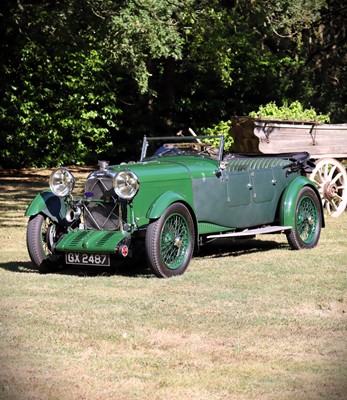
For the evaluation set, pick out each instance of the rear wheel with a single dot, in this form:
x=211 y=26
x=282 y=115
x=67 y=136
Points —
x=170 y=242
x=42 y=235
x=307 y=221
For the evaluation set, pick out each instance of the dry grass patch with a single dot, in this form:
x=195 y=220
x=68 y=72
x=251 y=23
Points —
x=249 y=320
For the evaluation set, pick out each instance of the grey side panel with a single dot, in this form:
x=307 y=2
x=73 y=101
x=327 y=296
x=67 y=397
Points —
x=210 y=200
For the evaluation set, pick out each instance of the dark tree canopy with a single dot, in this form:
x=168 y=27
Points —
x=84 y=79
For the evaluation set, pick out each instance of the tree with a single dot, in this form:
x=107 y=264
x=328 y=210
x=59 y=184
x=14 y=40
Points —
x=83 y=79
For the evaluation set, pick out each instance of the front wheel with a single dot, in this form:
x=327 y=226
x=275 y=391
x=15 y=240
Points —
x=42 y=235
x=307 y=221
x=170 y=242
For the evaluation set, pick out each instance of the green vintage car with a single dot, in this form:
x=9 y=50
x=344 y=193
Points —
x=181 y=194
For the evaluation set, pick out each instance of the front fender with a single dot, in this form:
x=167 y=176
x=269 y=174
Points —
x=49 y=204
x=163 y=202
x=288 y=201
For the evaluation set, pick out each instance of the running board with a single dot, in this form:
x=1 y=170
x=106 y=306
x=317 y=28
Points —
x=251 y=232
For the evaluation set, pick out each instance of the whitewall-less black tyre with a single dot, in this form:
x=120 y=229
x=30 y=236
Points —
x=42 y=234
x=307 y=220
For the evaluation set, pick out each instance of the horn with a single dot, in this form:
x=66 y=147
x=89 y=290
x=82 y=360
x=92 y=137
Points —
x=73 y=215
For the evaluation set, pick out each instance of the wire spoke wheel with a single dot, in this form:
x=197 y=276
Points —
x=174 y=241
x=330 y=177
x=307 y=220
x=170 y=241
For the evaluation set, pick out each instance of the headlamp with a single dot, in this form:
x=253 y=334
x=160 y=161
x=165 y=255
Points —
x=126 y=184
x=61 y=182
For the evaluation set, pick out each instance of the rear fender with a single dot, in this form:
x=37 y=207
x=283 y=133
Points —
x=50 y=205
x=288 y=201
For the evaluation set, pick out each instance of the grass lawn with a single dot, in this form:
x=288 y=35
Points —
x=248 y=320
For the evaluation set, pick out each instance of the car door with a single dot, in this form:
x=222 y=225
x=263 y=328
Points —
x=250 y=195
x=236 y=198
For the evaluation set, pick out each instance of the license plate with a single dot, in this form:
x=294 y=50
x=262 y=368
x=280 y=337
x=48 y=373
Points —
x=87 y=259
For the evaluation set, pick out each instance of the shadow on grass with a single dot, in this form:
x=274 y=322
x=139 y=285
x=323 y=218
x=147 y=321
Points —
x=238 y=247
x=124 y=268
x=19 y=266
x=128 y=268
x=137 y=268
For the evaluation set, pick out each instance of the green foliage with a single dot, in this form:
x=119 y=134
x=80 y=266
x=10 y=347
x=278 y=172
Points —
x=61 y=112
x=208 y=30
x=142 y=31
x=291 y=18
x=292 y=111
x=222 y=128
x=84 y=79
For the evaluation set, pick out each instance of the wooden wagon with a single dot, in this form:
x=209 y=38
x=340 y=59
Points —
x=327 y=144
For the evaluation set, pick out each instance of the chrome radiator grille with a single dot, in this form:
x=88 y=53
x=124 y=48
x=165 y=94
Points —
x=102 y=212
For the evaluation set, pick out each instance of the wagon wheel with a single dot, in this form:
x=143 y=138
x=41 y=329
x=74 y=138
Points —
x=330 y=178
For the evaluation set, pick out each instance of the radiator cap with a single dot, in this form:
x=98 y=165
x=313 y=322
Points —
x=103 y=165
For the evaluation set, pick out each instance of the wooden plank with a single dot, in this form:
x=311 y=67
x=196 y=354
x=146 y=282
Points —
x=256 y=136
x=317 y=141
